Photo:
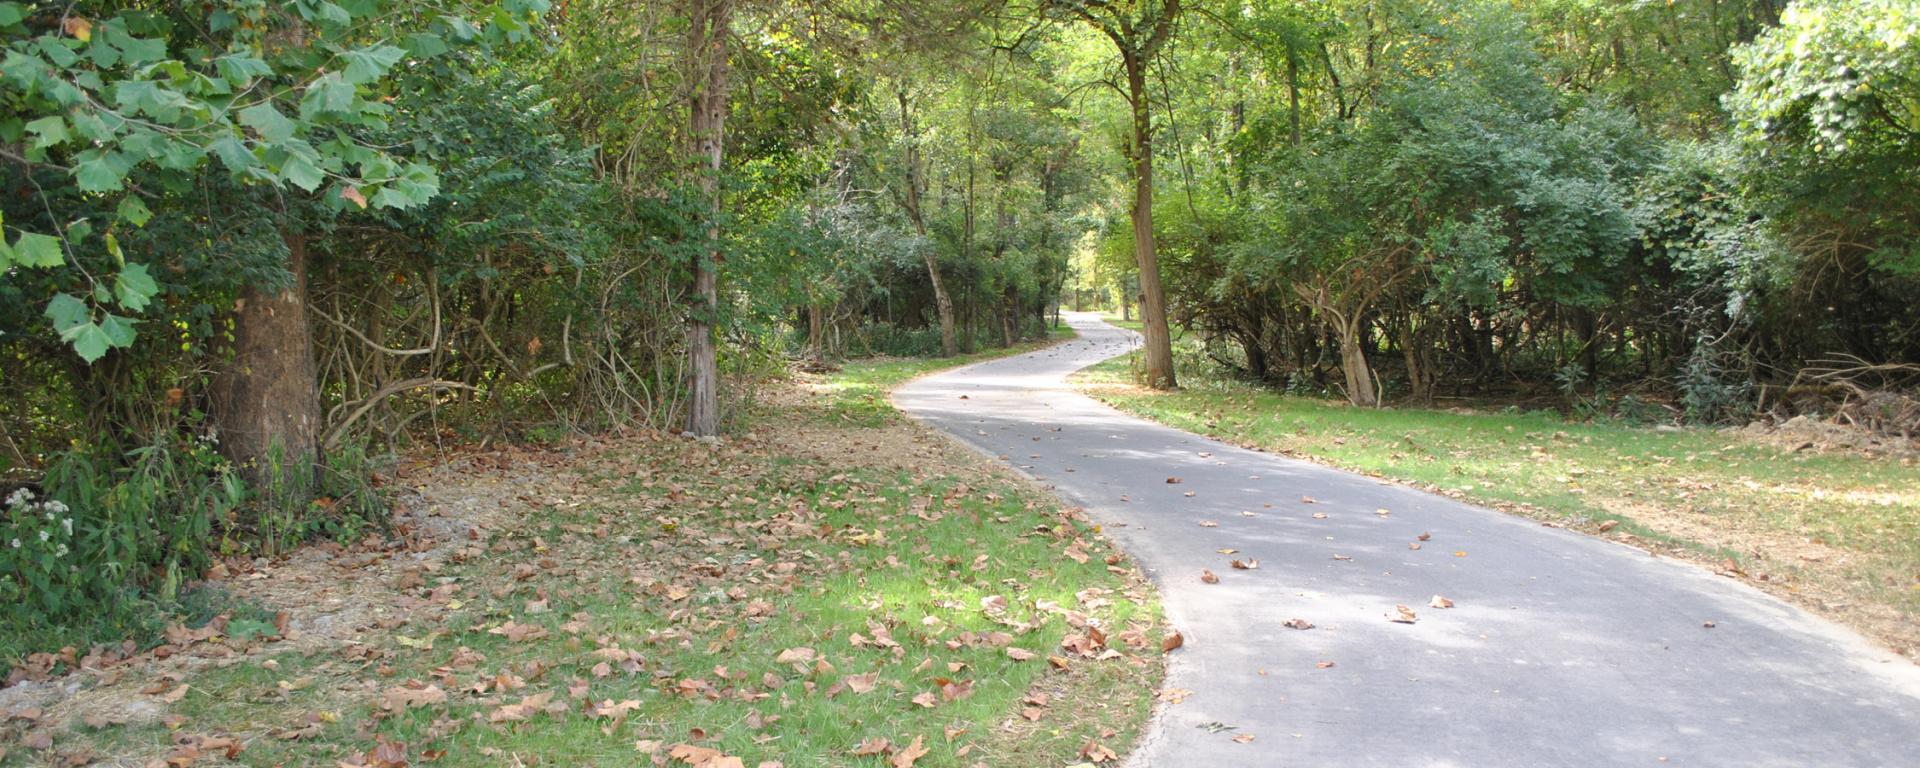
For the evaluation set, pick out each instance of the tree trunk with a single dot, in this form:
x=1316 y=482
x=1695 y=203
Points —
x=1361 y=388
x=816 y=332
x=1157 y=368
x=1420 y=373
x=265 y=400
x=943 y=304
x=707 y=107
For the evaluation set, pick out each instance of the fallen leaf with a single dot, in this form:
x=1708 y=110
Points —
x=1402 y=615
x=1324 y=664
x=1243 y=738
x=1424 y=536
x=914 y=751
x=878 y=745
x=1097 y=753
x=1609 y=525
x=1208 y=577
x=405 y=697
x=1021 y=654
x=1440 y=602
x=1298 y=624
x=1245 y=565
x=1173 y=481
x=1173 y=641
x=861 y=683
x=1319 y=515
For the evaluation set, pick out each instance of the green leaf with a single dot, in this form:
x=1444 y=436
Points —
x=11 y=14
x=370 y=64
x=118 y=330
x=426 y=46
x=134 y=287
x=99 y=171
x=50 y=130
x=134 y=211
x=302 y=173
x=66 y=312
x=89 y=340
x=37 y=250
x=328 y=93
x=266 y=120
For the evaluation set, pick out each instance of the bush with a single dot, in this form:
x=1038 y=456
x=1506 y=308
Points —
x=100 y=537
x=106 y=545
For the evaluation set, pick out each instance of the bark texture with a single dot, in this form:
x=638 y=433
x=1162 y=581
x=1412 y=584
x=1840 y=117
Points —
x=707 y=76
x=265 y=399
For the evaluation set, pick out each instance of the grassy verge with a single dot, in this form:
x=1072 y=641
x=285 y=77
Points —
x=857 y=393
x=1837 y=531
x=812 y=594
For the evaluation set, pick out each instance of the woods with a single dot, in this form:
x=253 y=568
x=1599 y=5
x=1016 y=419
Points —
x=256 y=252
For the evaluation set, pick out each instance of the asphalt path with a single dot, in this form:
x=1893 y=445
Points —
x=1560 y=649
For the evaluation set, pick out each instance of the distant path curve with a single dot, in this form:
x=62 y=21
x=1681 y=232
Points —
x=1562 y=649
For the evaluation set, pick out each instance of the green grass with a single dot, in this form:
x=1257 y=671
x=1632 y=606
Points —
x=709 y=562
x=858 y=391
x=1839 y=529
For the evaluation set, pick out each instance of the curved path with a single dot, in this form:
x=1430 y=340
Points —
x=1561 y=650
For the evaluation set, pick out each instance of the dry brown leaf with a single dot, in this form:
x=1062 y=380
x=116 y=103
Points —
x=1402 y=615
x=1208 y=576
x=1173 y=641
x=1298 y=624
x=1440 y=602
x=1097 y=753
x=914 y=751
x=878 y=745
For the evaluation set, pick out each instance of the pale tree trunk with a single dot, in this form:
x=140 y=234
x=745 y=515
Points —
x=1157 y=362
x=707 y=75
x=1362 y=389
x=265 y=399
x=943 y=304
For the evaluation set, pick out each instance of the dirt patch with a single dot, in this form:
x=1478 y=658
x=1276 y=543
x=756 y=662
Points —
x=1805 y=433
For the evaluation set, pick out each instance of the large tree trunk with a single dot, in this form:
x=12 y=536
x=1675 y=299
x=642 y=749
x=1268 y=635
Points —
x=707 y=51
x=265 y=401
x=943 y=304
x=1157 y=368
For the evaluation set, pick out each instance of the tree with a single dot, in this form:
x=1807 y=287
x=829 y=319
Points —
x=912 y=191
x=135 y=104
x=710 y=24
x=1139 y=29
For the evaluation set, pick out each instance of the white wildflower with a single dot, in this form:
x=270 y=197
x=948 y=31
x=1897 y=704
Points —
x=19 y=497
x=46 y=536
x=16 y=543
x=61 y=552
x=56 y=506
x=67 y=524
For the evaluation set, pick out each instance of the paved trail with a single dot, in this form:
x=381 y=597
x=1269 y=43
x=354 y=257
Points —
x=1562 y=650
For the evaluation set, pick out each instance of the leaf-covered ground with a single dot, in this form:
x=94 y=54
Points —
x=816 y=592
x=1831 y=528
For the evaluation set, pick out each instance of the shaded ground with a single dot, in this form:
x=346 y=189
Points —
x=813 y=593
x=1370 y=624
